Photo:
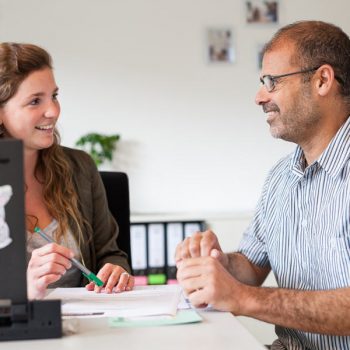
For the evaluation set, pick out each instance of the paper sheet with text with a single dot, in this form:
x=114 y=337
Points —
x=140 y=302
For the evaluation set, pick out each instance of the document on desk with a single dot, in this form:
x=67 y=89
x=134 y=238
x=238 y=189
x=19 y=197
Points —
x=140 y=302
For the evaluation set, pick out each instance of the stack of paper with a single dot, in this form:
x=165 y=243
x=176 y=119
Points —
x=140 y=302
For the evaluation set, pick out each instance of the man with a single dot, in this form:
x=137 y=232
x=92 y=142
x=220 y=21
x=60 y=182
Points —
x=301 y=228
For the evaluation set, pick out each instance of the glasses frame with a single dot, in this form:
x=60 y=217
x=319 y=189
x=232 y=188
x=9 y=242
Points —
x=273 y=78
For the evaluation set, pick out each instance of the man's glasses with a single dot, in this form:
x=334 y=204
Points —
x=270 y=80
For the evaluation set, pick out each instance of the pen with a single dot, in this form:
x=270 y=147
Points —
x=83 y=313
x=86 y=272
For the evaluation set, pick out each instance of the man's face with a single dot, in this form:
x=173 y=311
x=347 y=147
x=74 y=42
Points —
x=290 y=107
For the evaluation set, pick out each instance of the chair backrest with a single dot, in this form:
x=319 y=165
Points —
x=117 y=190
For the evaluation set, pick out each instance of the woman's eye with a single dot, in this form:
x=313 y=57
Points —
x=35 y=102
x=54 y=96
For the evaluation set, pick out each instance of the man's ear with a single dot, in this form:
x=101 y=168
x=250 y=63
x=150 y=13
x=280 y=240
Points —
x=325 y=79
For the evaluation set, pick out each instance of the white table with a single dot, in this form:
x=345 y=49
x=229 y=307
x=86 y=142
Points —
x=218 y=330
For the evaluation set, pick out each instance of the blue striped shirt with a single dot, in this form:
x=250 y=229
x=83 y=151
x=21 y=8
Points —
x=301 y=229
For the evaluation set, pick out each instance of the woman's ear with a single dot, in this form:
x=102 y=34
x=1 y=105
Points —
x=325 y=79
x=2 y=126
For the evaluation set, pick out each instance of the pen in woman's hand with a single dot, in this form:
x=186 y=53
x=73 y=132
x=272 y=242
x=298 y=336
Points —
x=86 y=272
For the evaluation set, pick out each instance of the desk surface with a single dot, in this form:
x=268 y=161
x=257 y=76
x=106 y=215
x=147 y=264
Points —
x=218 y=330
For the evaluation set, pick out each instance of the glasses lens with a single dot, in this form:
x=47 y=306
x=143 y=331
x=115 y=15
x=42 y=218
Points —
x=268 y=82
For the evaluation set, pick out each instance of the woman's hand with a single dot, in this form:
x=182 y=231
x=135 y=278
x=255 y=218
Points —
x=113 y=276
x=47 y=265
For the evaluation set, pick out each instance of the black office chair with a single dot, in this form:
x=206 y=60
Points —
x=117 y=190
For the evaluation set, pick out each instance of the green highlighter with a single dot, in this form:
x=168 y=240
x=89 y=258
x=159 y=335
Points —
x=86 y=272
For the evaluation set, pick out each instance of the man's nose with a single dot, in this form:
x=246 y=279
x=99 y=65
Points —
x=262 y=96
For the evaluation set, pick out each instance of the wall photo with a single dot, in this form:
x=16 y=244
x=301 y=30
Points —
x=220 y=45
x=259 y=11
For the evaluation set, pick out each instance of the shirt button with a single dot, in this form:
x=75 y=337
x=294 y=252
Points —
x=304 y=223
x=333 y=242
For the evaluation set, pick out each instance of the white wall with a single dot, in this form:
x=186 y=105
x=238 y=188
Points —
x=192 y=137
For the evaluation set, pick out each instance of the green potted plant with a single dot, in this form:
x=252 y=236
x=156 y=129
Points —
x=100 y=147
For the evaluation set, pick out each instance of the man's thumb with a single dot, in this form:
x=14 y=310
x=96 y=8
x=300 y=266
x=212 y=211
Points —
x=219 y=255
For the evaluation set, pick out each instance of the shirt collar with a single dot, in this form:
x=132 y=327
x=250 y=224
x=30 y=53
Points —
x=337 y=152
x=297 y=164
x=332 y=159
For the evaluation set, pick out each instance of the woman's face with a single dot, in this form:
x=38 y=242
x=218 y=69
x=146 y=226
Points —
x=31 y=114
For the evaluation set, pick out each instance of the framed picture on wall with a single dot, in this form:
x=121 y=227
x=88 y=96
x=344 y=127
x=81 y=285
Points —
x=220 y=47
x=261 y=11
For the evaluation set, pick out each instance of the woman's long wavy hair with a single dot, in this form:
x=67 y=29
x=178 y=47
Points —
x=17 y=61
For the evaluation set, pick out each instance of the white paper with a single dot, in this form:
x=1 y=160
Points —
x=184 y=303
x=141 y=301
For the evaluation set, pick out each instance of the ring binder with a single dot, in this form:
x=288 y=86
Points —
x=153 y=246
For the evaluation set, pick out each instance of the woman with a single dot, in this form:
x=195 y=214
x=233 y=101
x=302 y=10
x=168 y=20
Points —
x=64 y=193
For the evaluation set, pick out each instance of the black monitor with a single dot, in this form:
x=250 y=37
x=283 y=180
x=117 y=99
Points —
x=19 y=318
x=12 y=226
